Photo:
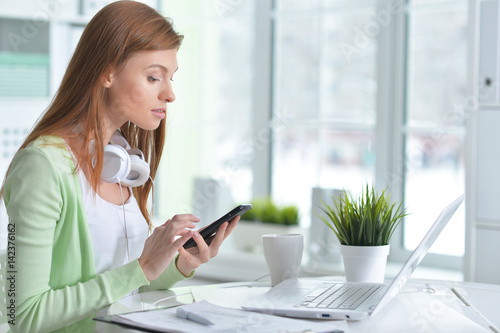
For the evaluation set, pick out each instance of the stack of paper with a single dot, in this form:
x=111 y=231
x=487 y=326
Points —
x=219 y=319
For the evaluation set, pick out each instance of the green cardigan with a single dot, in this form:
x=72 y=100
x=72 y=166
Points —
x=56 y=287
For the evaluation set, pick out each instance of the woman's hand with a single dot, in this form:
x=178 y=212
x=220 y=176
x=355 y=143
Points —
x=161 y=247
x=193 y=257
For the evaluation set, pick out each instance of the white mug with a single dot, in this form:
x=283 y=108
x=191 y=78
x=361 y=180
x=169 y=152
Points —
x=283 y=254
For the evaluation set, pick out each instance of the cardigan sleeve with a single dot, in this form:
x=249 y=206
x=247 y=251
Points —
x=53 y=286
x=168 y=278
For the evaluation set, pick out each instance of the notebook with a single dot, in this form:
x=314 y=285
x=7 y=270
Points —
x=320 y=299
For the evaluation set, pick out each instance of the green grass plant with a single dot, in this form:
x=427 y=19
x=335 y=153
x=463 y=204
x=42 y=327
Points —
x=265 y=210
x=368 y=220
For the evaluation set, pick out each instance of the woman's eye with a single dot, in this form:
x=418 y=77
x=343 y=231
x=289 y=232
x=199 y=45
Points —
x=152 y=79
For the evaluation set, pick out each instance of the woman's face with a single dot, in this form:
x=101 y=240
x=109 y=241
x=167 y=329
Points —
x=140 y=90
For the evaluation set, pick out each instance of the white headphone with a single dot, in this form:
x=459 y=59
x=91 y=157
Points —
x=123 y=164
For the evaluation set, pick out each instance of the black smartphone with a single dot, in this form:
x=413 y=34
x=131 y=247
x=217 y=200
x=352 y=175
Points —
x=209 y=232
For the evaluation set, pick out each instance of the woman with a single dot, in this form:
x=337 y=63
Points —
x=76 y=235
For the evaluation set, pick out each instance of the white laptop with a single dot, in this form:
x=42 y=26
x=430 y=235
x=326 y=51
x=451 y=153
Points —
x=352 y=301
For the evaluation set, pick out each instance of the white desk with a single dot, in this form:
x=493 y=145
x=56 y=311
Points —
x=413 y=309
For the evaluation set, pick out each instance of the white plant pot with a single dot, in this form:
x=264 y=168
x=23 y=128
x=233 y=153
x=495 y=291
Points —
x=364 y=263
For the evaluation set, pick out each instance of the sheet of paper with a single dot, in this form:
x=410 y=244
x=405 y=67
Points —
x=417 y=312
x=225 y=320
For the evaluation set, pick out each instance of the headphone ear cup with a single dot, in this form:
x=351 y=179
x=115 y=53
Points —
x=139 y=173
x=116 y=164
x=124 y=164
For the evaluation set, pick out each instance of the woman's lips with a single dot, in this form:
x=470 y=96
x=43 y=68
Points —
x=160 y=113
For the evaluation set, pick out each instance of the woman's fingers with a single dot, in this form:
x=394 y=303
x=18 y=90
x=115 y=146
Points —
x=201 y=249
x=181 y=218
x=232 y=225
x=218 y=239
x=178 y=223
x=192 y=258
x=185 y=217
x=184 y=236
x=161 y=247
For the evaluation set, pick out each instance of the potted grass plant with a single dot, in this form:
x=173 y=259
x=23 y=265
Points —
x=265 y=217
x=364 y=226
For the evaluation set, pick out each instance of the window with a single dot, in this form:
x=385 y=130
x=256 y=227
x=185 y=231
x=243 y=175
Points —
x=330 y=96
x=433 y=163
x=360 y=118
x=357 y=92
x=435 y=134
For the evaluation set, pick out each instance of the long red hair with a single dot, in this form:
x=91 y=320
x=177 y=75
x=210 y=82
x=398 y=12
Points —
x=114 y=34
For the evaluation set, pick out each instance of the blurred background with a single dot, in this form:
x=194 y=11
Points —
x=277 y=98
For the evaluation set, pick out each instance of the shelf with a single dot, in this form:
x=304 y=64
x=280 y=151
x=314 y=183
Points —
x=234 y=265
x=24 y=74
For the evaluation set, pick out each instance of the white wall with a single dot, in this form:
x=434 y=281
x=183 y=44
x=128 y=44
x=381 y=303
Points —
x=483 y=145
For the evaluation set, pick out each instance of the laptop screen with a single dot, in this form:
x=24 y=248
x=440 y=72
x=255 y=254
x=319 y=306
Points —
x=419 y=253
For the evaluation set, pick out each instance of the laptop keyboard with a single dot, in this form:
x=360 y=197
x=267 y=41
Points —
x=337 y=296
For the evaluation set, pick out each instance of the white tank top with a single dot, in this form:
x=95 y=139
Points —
x=110 y=232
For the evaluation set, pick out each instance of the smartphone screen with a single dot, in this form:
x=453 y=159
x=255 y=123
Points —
x=209 y=232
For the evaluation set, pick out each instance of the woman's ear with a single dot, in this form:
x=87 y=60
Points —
x=107 y=78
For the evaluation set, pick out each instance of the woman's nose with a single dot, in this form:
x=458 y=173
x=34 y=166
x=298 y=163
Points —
x=167 y=93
